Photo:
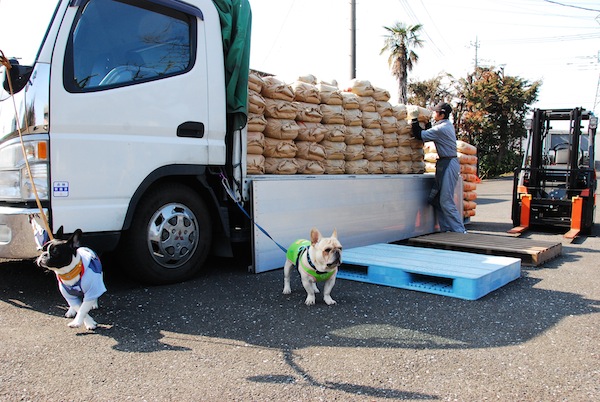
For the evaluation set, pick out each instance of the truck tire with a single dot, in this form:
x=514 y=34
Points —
x=169 y=237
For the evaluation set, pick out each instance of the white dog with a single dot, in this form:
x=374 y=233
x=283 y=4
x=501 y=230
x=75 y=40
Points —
x=317 y=260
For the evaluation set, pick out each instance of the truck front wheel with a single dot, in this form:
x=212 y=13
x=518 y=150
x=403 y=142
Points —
x=169 y=237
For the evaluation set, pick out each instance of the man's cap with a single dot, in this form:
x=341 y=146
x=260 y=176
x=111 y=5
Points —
x=443 y=107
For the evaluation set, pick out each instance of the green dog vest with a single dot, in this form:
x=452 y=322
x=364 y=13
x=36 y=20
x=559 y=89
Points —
x=295 y=251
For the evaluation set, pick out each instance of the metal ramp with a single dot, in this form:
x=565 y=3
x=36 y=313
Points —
x=443 y=272
x=531 y=252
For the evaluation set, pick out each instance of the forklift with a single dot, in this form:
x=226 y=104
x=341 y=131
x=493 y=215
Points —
x=555 y=187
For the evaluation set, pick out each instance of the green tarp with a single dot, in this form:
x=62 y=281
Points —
x=236 y=23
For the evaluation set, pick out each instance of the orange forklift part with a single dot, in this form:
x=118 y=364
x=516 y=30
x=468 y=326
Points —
x=576 y=214
x=524 y=216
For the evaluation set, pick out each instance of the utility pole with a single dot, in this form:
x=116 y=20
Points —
x=352 y=39
x=476 y=46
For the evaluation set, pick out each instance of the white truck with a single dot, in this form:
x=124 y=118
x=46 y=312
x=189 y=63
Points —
x=125 y=121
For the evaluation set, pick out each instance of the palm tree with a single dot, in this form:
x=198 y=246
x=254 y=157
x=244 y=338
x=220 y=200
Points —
x=399 y=41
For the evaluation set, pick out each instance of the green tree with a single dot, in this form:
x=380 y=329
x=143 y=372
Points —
x=399 y=42
x=490 y=115
x=429 y=92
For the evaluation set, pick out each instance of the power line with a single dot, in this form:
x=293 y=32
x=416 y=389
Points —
x=570 y=5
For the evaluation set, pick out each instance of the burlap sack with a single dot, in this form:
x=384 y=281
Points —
x=281 y=166
x=279 y=148
x=274 y=88
x=361 y=87
x=373 y=136
x=390 y=140
x=354 y=135
x=255 y=83
x=281 y=129
x=471 y=169
x=367 y=104
x=405 y=167
x=430 y=157
x=360 y=166
x=467 y=159
x=469 y=186
x=256 y=142
x=350 y=100
x=418 y=167
x=375 y=167
x=310 y=151
x=381 y=94
x=418 y=155
x=399 y=112
x=255 y=164
x=308 y=78
x=304 y=92
x=384 y=108
x=352 y=117
x=310 y=166
x=404 y=140
x=403 y=127
x=354 y=152
x=389 y=124
x=330 y=95
x=332 y=114
x=465 y=148
x=405 y=154
x=335 y=166
x=309 y=112
x=429 y=147
x=390 y=154
x=334 y=150
x=335 y=132
x=424 y=115
x=256 y=103
x=374 y=153
x=416 y=144
x=256 y=122
x=314 y=132
x=429 y=167
x=390 y=167
x=371 y=120
x=280 y=109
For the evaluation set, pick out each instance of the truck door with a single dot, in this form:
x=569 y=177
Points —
x=129 y=96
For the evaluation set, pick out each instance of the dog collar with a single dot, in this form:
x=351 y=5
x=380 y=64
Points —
x=72 y=274
x=313 y=271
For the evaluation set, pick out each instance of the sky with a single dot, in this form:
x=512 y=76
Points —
x=532 y=39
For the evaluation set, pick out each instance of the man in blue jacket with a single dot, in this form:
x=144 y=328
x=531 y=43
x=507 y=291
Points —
x=447 y=169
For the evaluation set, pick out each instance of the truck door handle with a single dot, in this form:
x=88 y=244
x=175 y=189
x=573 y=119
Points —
x=192 y=129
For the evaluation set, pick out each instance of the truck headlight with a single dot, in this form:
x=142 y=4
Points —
x=15 y=183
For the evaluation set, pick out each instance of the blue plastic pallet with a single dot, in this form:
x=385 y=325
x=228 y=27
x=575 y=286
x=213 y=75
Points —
x=449 y=273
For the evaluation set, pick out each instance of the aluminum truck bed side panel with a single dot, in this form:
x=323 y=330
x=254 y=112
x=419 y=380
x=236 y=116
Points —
x=364 y=209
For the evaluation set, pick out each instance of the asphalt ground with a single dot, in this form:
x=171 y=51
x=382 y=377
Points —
x=229 y=335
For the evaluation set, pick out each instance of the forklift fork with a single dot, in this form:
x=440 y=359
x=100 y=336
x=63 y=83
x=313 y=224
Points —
x=524 y=215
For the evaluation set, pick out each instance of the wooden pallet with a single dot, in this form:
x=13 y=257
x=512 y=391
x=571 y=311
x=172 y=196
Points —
x=448 y=273
x=531 y=252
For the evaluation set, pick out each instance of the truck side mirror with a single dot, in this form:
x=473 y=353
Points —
x=19 y=75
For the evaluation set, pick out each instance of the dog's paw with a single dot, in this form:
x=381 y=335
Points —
x=329 y=300
x=287 y=290
x=75 y=324
x=90 y=324
x=70 y=313
x=310 y=300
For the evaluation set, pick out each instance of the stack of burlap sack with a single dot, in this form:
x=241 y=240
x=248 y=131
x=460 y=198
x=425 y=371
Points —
x=313 y=127
x=467 y=156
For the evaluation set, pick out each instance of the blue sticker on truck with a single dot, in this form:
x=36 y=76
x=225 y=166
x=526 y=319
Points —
x=60 y=189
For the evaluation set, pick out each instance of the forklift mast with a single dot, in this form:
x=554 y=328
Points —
x=556 y=184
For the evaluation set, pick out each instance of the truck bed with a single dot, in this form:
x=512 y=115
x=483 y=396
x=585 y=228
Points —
x=365 y=210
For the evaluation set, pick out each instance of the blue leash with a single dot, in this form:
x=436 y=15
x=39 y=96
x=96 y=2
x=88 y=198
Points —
x=224 y=182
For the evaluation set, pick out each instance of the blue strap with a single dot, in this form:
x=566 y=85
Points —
x=260 y=228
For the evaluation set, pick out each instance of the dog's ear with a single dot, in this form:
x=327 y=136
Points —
x=74 y=240
x=315 y=236
x=59 y=233
x=334 y=234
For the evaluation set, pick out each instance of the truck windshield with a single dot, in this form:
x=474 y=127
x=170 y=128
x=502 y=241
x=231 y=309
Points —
x=22 y=41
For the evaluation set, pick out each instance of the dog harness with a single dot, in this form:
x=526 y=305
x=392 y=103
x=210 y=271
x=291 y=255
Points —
x=90 y=284
x=294 y=253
